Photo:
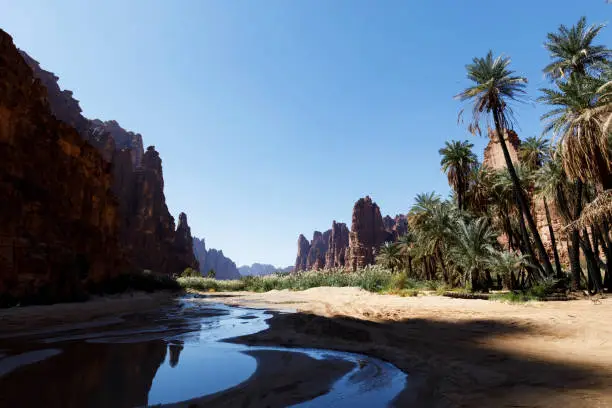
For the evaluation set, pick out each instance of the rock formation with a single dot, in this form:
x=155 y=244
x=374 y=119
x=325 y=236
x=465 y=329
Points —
x=258 y=269
x=183 y=246
x=147 y=232
x=337 y=247
x=59 y=222
x=213 y=259
x=367 y=233
x=494 y=160
x=302 y=254
x=493 y=153
x=318 y=249
x=395 y=227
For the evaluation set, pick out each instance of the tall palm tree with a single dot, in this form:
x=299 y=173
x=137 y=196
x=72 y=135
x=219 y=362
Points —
x=573 y=51
x=457 y=162
x=405 y=244
x=389 y=256
x=534 y=152
x=474 y=244
x=577 y=120
x=495 y=85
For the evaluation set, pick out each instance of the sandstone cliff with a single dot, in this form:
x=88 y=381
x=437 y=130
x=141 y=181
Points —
x=367 y=233
x=147 y=233
x=213 y=259
x=494 y=160
x=318 y=250
x=337 y=247
x=59 y=221
x=258 y=269
x=302 y=254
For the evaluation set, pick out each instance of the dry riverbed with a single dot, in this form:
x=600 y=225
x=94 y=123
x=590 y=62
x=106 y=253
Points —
x=457 y=352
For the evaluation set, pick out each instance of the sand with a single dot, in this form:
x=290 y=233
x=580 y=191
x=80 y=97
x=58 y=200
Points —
x=457 y=352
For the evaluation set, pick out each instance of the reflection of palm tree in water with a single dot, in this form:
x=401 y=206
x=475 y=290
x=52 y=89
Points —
x=175 y=351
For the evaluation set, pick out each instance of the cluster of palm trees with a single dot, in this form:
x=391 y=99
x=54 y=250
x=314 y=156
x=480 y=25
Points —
x=488 y=227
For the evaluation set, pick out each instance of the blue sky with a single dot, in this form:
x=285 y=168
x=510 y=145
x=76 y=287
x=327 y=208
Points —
x=273 y=117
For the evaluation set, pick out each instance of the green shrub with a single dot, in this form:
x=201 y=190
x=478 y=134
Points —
x=190 y=273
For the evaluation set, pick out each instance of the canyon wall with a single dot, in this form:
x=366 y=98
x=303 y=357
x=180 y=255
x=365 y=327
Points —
x=367 y=233
x=338 y=246
x=213 y=259
x=59 y=222
x=146 y=228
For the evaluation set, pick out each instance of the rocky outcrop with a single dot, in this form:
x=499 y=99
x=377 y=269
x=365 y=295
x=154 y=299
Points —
x=223 y=266
x=183 y=246
x=494 y=154
x=258 y=269
x=395 y=227
x=367 y=233
x=318 y=249
x=302 y=254
x=147 y=232
x=59 y=222
x=337 y=247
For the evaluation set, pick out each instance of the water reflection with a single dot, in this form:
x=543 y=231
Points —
x=176 y=354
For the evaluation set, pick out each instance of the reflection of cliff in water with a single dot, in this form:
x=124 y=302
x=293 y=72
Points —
x=174 y=350
x=88 y=375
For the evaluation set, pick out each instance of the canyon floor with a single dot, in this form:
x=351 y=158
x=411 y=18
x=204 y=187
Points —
x=456 y=352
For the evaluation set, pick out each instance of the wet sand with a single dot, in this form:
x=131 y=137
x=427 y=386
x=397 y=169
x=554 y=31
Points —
x=456 y=352
x=281 y=379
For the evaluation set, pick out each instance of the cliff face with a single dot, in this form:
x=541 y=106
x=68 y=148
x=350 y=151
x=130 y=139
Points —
x=494 y=155
x=395 y=227
x=258 y=269
x=302 y=254
x=337 y=247
x=147 y=232
x=318 y=250
x=213 y=259
x=367 y=233
x=59 y=220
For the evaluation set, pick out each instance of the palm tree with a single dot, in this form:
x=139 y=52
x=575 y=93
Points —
x=473 y=245
x=389 y=256
x=577 y=120
x=506 y=263
x=494 y=86
x=405 y=244
x=534 y=152
x=573 y=51
x=457 y=162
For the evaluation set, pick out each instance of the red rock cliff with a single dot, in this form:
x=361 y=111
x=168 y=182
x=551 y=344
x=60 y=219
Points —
x=337 y=247
x=59 y=219
x=302 y=254
x=146 y=227
x=367 y=233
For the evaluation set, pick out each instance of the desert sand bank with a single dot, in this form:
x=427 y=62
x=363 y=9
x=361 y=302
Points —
x=457 y=352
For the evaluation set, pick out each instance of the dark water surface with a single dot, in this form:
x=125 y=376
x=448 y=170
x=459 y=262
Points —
x=177 y=354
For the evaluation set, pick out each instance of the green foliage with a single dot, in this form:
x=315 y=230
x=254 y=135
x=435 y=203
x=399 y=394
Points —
x=190 y=272
x=211 y=274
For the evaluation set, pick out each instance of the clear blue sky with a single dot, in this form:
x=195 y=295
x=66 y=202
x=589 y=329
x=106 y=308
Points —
x=273 y=116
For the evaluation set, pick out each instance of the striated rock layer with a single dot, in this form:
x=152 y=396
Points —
x=302 y=254
x=59 y=222
x=146 y=228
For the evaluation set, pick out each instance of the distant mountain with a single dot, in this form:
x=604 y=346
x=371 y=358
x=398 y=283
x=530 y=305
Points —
x=213 y=259
x=262 y=269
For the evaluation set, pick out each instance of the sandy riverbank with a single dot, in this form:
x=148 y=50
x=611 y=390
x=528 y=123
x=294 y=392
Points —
x=457 y=352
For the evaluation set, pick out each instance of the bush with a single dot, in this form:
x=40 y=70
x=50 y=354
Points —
x=190 y=273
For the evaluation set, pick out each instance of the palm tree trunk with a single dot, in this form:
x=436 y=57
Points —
x=444 y=271
x=521 y=196
x=410 y=265
x=526 y=247
x=553 y=241
x=594 y=276
x=574 y=255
